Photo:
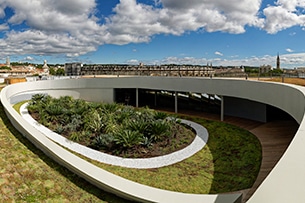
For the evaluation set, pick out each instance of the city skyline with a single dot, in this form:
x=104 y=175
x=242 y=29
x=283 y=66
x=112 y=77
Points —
x=230 y=33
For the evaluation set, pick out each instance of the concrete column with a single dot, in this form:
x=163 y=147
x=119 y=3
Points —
x=176 y=102
x=222 y=109
x=156 y=94
x=137 y=97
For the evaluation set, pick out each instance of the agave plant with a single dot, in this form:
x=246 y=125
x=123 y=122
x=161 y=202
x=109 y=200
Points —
x=76 y=136
x=36 y=98
x=111 y=126
x=92 y=121
x=101 y=124
x=79 y=107
x=110 y=107
x=159 y=129
x=137 y=125
x=160 y=115
x=128 y=138
x=54 y=109
x=103 y=141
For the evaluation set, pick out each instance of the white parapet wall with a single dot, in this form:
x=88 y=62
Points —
x=285 y=183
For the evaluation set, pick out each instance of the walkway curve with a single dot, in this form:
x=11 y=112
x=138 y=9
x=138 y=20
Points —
x=141 y=163
x=285 y=183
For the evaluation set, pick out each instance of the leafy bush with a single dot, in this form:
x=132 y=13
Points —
x=159 y=129
x=103 y=141
x=59 y=129
x=93 y=122
x=160 y=115
x=137 y=125
x=128 y=138
x=76 y=136
x=100 y=124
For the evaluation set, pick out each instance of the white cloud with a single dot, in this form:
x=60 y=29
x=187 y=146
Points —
x=72 y=27
x=295 y=59
x=292 y=33
x=133 y=61
x=289 y=50
x=53 y=27
x=287 y=61
x=285 y=14
x=218 y=53
x=28 y=58
x=137 y=22
x=4 y=27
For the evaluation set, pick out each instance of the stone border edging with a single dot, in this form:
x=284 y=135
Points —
x=141 y=163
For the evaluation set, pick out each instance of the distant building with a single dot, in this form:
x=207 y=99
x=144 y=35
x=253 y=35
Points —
x=45 y=67
x=265 y=69
x=8 y=62
x=73 y=69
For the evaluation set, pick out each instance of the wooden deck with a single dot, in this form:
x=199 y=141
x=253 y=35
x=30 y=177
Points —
x=274 y=136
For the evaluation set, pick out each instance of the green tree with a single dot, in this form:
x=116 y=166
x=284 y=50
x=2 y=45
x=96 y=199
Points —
x=52 y=71
x=5 y=68
x=60 y=71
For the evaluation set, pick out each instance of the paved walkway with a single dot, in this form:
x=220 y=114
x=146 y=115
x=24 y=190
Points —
x=275 y=137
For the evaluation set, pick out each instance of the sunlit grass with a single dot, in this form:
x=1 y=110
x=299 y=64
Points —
x=229 y=162
x=28 y=175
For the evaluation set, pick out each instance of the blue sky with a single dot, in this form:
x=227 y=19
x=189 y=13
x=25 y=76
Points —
x=231 y=32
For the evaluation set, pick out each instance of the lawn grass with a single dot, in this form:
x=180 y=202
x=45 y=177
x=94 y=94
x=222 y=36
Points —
x=229 y=162
x=28 y=175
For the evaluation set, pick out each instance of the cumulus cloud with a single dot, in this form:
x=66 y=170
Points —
x=285 y=14
x=293 y=59
x=133 y=61
x=289 y=60
x=51 y=27
x=289 y=50
x=175 y=17
x=29 y=58
x=73 y=27
x=181 y=60
x=4 y=27
x=218 y=53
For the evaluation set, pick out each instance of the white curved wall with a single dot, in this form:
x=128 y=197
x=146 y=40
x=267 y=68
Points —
x=284 y=184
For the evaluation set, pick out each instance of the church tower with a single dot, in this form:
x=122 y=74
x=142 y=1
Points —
x=8 y=62
x=278 y=63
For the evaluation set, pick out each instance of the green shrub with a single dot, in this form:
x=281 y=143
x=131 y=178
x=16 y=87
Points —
x=137 y=125
x=76 y=136
x=92 y=121
x=129 y=126
x=159 y=129
x=128 y=138
x=59 y=129
x=160 y=115
x=103 y=141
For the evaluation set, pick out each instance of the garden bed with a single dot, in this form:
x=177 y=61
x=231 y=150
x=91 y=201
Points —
x=112 y=128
